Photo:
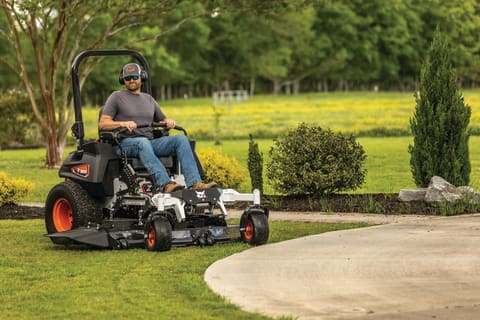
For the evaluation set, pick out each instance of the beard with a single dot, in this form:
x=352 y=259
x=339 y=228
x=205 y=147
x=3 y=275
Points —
x=133 y=86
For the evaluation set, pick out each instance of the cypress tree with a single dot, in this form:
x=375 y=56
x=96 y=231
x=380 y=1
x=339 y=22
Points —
x=440 y=121
x=255 y=165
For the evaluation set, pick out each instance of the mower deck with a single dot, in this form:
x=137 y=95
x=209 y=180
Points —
x=135 y=238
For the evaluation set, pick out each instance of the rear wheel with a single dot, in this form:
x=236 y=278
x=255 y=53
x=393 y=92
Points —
x=68 y=206
x=254 y=228
x=158 y=234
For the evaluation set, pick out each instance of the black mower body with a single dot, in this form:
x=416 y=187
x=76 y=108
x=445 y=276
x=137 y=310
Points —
x=94 y=167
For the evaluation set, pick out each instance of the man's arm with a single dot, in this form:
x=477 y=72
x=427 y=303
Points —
x=107 y=123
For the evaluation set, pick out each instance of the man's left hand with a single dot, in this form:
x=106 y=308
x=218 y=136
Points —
x=170 y=123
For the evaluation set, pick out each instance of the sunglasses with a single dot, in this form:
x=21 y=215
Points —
x=128 y=78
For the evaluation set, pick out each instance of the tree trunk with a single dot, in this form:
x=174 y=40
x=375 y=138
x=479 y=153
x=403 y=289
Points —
x=190 y=91
x=287 y=87
x=226 y=85
x=162 y=92
x=53 y=158
x=252 y=86
x=276 y=86
x=296 y=87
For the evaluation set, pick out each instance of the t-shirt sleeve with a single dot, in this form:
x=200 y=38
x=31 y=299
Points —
x=111 y=106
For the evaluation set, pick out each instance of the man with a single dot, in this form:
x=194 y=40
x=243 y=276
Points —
x=130 y=108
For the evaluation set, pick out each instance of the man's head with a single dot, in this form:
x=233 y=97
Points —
x=130 y=69
x=131 y=76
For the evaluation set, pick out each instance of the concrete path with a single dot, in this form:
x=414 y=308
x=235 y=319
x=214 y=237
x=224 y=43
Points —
x=410 y=268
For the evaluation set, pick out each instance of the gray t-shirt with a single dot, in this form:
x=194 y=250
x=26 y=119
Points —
x=142 y=108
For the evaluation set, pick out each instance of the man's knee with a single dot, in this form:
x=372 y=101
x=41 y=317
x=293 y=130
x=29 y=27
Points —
x=144 y=144
x=182 y=140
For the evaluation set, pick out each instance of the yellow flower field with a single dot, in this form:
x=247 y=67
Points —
x=268 y=116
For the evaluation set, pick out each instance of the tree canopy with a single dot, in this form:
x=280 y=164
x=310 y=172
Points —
x=194 y=48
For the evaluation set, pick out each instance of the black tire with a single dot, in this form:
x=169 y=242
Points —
x=254 y=228
x=158 y=234
x=68 y=206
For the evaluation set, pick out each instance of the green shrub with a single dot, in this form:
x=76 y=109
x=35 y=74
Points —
x=12 y=190
x=222 y=169
x=255 y=165
x=312 y=161
x=18 y=127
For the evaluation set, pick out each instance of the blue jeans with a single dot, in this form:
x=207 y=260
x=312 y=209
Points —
x=148 y=152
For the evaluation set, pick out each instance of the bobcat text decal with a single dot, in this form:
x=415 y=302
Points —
x=82 y=170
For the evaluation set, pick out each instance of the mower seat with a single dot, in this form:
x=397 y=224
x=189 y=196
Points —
x=169 y=163
x=138 y=165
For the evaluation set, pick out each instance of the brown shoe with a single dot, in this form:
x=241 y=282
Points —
x=201 y=185
x=171 y=187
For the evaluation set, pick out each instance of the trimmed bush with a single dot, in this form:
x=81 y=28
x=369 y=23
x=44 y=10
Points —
x=225 y=171
x=312 y=161
x=12 y=190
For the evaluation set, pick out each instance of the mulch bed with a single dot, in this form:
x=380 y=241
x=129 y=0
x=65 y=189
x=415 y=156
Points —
x=361 y=203
x=13 y=211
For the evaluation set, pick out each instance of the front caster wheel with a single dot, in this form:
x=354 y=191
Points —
x=158 y=235
x=254 y=228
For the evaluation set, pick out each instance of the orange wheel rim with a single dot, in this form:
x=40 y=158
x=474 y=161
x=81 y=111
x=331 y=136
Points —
x=151 y=237
x=62 y=215
x=249 y=230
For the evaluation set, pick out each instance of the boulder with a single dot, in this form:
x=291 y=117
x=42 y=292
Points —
x=440 y=190
x=407 y=195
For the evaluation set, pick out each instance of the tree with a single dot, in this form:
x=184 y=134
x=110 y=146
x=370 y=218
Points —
x=439 y=124
x=185 y=60
x=55 y=31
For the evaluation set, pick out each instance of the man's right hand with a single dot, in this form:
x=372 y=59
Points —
x=130 y=125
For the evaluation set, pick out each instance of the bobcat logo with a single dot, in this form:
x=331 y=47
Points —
x=130 y=69
x=200 y=194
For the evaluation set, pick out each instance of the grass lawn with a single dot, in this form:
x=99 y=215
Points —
x=39 y=280
x=387 y=163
